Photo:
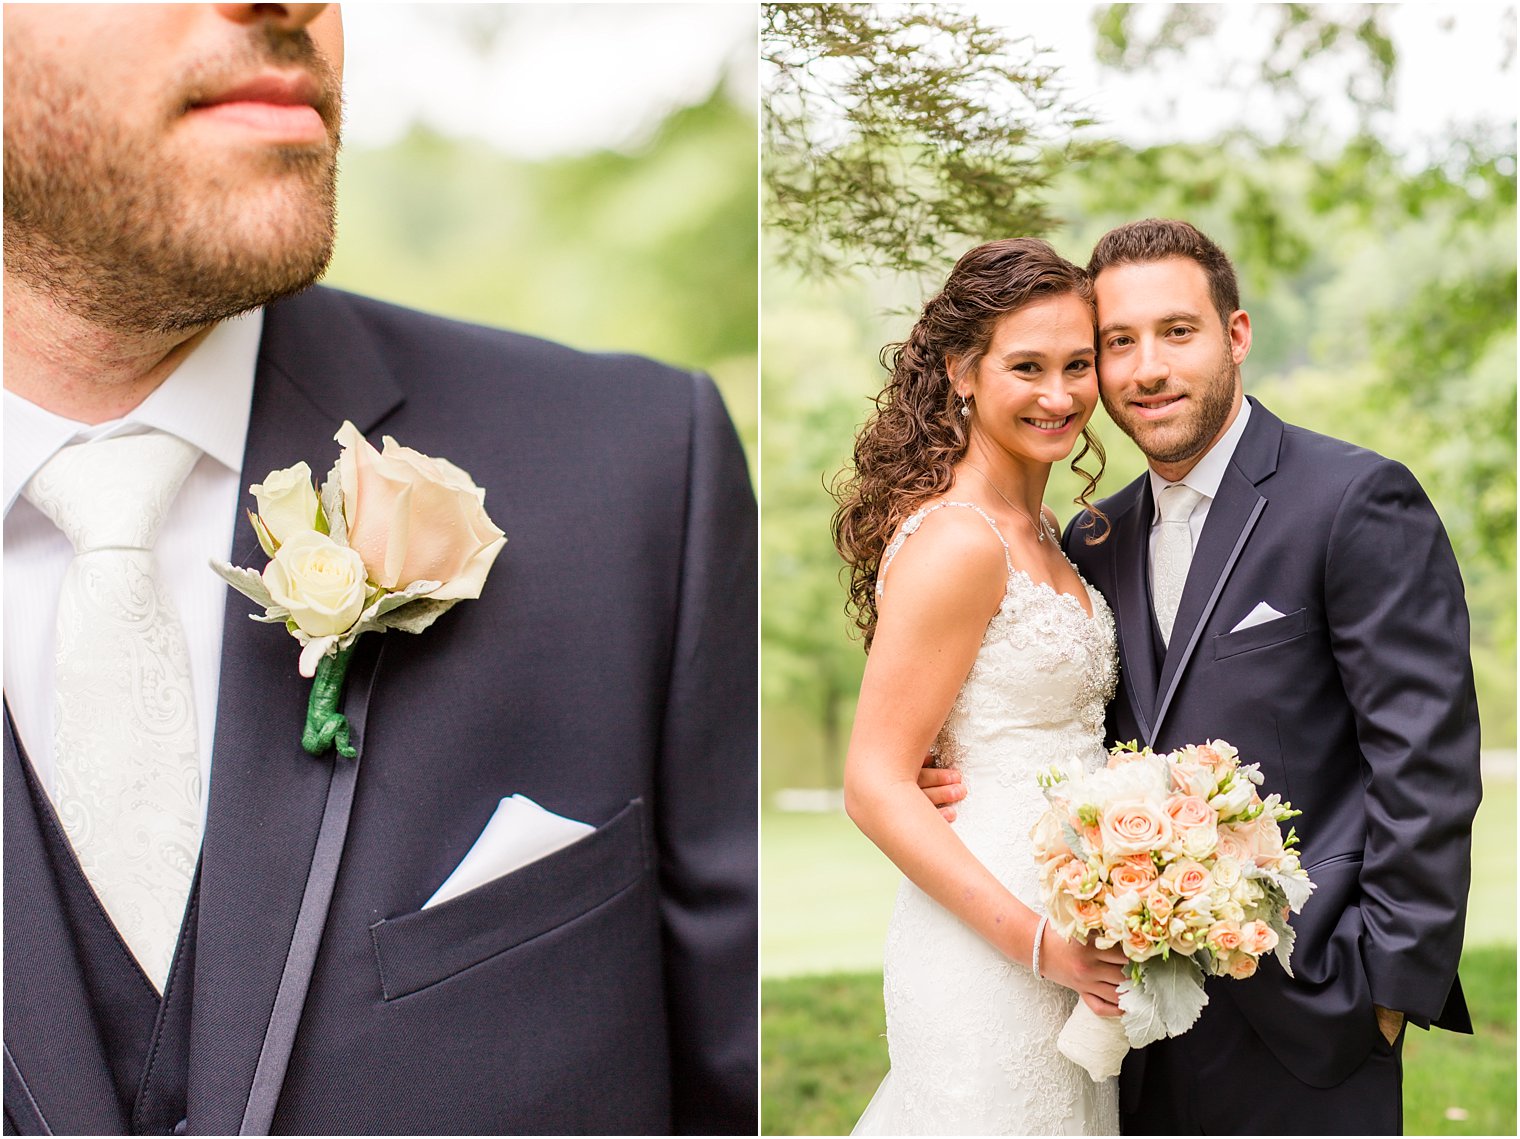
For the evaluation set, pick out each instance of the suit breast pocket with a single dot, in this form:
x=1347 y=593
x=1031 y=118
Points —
x=1265 y=635
x=420 y=949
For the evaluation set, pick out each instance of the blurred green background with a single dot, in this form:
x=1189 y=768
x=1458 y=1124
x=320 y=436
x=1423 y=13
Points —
x=581 y=172
x=1357 y=162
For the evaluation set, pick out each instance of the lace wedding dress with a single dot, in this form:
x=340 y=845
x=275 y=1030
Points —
x=971 y=1034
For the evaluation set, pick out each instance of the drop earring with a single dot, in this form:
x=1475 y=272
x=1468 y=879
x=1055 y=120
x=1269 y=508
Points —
x=965 y=408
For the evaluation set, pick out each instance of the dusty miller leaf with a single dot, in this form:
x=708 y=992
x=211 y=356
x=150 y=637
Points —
x=1165 y=1002
x=246 y=582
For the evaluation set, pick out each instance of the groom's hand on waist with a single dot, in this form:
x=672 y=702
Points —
x=1389 y=1022
x=943 y=787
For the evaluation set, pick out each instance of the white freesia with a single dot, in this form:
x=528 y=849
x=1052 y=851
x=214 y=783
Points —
x=1234 y=799
x=287 y=502
x=320 y=582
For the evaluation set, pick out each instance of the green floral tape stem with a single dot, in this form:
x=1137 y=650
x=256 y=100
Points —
x=325 y=725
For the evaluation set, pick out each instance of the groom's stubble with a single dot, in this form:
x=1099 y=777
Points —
x=1190 y=436
x=118 y=219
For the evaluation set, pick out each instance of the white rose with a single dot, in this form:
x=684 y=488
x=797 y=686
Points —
x=287 y=502
x=319 y=581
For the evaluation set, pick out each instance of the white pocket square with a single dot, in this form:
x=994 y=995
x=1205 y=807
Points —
x=1258 y=616
x=518 y=833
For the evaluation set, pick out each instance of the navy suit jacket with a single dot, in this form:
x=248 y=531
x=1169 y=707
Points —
x=1358 y=703
x=608 y=671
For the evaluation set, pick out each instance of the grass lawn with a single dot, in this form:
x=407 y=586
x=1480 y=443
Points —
x=822 y=1055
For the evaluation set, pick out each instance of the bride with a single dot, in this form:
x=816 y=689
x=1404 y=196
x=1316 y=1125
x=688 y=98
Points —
x=988 y=650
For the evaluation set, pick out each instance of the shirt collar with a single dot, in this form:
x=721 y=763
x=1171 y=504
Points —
x=206 y=401
x=1206 y=476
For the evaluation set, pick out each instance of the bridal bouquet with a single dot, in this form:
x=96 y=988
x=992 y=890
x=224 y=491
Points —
x=1178 y=861
x=392 y=540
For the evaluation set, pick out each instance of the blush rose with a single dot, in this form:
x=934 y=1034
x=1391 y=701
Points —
x=412 y=518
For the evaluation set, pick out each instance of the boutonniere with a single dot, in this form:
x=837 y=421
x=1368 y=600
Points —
x=392 y=540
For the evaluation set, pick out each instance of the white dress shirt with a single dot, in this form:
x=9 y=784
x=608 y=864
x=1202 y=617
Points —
x=1205 y=478
x=206 y=402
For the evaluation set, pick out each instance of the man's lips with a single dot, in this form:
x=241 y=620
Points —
x=1156 y=406
x=281 y=106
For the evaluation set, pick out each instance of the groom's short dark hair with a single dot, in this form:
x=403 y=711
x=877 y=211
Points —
x=1156 y=239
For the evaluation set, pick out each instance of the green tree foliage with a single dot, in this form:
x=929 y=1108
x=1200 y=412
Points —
x=1381 y=284
x=653 y=252
x=896 y=134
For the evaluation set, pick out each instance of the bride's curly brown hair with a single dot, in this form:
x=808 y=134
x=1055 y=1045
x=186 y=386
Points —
x=906 y=452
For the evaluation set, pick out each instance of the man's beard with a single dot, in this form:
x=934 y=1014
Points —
x=1212 y=400
x=136 y=238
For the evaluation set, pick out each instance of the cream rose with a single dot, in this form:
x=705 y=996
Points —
x=412 y=518
x=319 y=581
x=287 y=502
x=1048 y=839
x=1133 y=827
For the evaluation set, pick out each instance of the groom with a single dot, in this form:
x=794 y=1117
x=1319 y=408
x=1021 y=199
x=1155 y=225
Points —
x=271 y=963
x=1296 y=596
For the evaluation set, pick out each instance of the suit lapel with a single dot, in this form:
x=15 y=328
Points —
x=1232 y=517
x=1132 y=602
x=56 y=1077
x=268 y=798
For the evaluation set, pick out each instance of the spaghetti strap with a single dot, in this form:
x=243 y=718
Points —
x=914 y=521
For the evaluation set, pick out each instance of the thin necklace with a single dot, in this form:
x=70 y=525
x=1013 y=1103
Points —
x=1041 y=528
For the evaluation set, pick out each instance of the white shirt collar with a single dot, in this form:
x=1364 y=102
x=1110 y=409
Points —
x=206 y=401
x=1206 y=476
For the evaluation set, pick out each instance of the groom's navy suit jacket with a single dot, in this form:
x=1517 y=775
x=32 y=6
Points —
x=1358 y=703
x=607 y=672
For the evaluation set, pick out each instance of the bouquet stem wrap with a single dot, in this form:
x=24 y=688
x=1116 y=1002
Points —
x=1097 y=1043
x=325 y=725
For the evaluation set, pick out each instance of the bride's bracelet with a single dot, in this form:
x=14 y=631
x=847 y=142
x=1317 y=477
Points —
x=1039 y=936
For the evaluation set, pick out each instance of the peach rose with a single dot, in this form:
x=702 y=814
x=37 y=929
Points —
x=415 y=518
x=1131 y=874
x=1191 y=779
x=1232 y=845
x=1089 y=913
x=1159 y=902
x=1187 y=878
x=1075 y=879
x=1224 y=936
x=1258 y=938
x=1262 y=840
x=1240 y=966
x=1134 y=827
x=1139 y=945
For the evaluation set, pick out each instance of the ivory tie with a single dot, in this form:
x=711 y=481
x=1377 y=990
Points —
x=1174 y=553
x=128 y=770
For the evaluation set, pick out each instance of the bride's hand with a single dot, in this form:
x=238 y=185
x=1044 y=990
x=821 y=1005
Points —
x=942 y=785
x=1095 y=974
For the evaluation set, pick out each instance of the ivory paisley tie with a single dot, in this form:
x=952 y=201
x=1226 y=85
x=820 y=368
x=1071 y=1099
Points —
x=1174 y=553
x=128 y=788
